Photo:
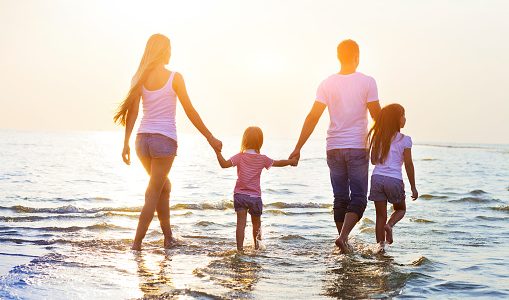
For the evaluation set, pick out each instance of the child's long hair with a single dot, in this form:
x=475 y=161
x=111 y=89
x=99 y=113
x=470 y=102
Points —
x=383 y=131
x=252 y=139
x=156 y=52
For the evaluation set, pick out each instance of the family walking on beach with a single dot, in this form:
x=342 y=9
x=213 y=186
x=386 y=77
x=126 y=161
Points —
x=349 y=96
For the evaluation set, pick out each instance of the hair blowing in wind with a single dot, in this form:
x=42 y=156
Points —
x=383 y=131
x=157 y=51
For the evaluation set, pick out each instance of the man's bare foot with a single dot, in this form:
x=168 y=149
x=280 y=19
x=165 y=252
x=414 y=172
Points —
x=388 y=233
x=136 y=246
x=343 y=246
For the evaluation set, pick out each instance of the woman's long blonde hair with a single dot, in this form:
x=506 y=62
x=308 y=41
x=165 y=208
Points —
x=156 y=52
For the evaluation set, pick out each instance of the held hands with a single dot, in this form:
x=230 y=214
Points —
x=415 y=194
x=126 y=155
x=216 y=144
x=294 y=157
x=293 y=162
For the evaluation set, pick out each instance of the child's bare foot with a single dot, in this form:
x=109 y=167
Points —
x=343 y=246
x=388 y=233
x=380 y=248
x=136 y=246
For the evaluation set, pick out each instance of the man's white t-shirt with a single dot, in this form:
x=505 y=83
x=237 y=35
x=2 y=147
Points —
x=346 y=97
x=394 y=161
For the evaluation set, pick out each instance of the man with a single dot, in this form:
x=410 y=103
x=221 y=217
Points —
x=348 y=96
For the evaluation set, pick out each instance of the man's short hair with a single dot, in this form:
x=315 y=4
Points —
x=348 y=50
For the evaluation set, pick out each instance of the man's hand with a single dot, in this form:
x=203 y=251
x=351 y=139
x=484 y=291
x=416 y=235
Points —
x=295 y=156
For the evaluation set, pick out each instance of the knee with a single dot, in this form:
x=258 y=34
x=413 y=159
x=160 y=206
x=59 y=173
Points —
x=166 y=188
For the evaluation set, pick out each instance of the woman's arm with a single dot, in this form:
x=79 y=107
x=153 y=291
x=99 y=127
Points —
x=409 y=167
x=180 y=88
x=132 y=115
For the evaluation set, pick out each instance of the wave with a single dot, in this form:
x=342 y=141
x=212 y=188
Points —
x=421 y=261
x=474 y=200
x=292 y=237
x=486 y=218
x=477 y=192
x=66 y=209
x=280 y=191
x=429 y=197
x=220 y=205
x=501 y=208
x=98 y=226
x=275 y=212
x=205 y=223
x=416 y=220
x=70 y=209
x=298 y=205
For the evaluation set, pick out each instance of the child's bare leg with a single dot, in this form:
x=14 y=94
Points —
x=257 y=232
x=241 y=226
x=381 y=220
x=396 y=216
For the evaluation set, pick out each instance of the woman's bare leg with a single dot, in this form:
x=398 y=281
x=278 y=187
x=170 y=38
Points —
x=163 y=213
x=159 y=169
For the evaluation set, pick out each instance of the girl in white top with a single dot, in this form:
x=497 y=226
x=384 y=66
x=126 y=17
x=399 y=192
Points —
x=157 y=138
x=389 y=150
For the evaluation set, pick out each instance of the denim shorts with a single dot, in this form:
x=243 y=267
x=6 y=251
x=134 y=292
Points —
x=253 y=205
x=155 y=145
x=385 y=188
x=349 y=178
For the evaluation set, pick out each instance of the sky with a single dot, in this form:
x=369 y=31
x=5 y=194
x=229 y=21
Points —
x=65 y=65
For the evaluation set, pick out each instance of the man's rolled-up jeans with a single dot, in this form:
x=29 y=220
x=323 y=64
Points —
x=349 y=178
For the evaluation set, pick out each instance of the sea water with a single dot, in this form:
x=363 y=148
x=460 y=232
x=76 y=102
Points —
x=69 y=209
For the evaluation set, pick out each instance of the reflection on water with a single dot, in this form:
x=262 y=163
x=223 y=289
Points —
x=237 y=272
x=154 y=273
x=354 y=277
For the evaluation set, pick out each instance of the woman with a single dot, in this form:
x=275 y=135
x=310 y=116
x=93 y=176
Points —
x=156 y=141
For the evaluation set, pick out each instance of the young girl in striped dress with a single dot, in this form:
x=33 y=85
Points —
x=247 y=193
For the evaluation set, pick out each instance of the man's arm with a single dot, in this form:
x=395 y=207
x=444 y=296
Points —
x=374 y=109
x=309 y=125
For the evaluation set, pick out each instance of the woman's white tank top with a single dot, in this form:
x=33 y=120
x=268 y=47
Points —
x=159 y=109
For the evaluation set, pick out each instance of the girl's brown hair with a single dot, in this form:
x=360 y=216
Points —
x=156 y=52
x=252 y=139
x=383 y=131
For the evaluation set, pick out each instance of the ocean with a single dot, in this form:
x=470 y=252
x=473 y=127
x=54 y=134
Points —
x=69 y=208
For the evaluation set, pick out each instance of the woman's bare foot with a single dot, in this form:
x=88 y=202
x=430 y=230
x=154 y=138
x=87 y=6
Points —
x=380 y=248
x=388 y=233
x=343 y=246
x=169 y=242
